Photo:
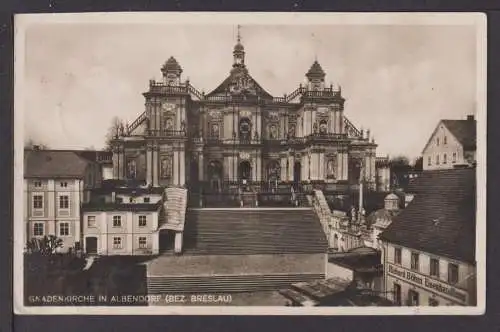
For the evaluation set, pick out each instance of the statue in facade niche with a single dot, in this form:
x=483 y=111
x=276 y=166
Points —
x=315 y=127
x=166 y=167
x=330 y=167
x=183 y=126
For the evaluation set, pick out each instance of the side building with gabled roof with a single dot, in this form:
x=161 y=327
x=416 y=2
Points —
x=452 y=144
x=429 y=248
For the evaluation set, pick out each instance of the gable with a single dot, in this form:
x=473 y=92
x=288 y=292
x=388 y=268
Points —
x=240 y=81
x=440 y=131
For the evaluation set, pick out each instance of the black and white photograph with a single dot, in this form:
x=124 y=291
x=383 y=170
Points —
x=239 y=163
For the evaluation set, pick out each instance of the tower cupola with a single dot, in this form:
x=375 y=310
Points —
x=239 y=52
x=171 y=71
x=316 y=76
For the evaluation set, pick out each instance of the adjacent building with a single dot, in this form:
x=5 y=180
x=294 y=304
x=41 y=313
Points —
x=453 y=143
x=56 y=183
x=429 y=249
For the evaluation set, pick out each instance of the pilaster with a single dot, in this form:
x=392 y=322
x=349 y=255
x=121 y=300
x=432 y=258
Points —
x=176 y=168
x=201 y=168
x=182 y=164
x=149 y=165
x=155 y=165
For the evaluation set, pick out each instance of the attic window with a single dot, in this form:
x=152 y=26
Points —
x=437 y=141
x=445 y=140
x=64 y=184
x=37 y=184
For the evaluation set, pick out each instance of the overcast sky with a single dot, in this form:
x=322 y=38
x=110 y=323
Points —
x=398 y=81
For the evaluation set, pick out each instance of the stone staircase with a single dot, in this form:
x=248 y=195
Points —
x=253 y=231
x=225 y=283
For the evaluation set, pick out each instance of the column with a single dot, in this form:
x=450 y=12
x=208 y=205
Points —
x=367 y=166
x=345 y=167
x=283 y=173
x=332 y=128
x=182 y=164
x=291 y=166
x=373 y=175
x=340 y=125
x=228 y=161
x=254 y=168
x=321 y=174
x=155 y=166
x=340 y=160
x=116 y=174
x=149 y=164
x=121 y=163
x=201 y=175
x=178 y=242
x=259 y=168
x=176 y=167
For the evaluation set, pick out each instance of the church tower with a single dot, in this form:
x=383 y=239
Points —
x=239 y=53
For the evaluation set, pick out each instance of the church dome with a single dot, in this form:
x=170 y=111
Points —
x=238 y=47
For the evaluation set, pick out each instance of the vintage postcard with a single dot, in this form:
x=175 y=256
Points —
x=250 y=163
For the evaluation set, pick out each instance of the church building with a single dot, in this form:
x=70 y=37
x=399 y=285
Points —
x=241 y=134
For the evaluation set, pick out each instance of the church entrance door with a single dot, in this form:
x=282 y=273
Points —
x=297 y=168
x=245 y=170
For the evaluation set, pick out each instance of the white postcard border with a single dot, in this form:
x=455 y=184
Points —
x=23 y=21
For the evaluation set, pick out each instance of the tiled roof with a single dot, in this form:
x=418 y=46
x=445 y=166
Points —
x=53 y=164
x=315 y=70
x=441 y=219
x=464 y=131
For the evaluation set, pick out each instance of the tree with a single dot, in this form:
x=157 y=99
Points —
x=47 y=245
x=114 y=130
x=399 y=161
x=419 y=164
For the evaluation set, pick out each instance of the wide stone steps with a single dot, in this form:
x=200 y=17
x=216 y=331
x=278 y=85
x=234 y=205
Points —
x=253 y=231
x=225 y=283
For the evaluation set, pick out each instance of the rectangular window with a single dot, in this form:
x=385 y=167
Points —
x=119 y=200
x=38 y=229
x=434 y=268
x=397 y=256
x=64 y=184
x=452 y=273
x=37 y=184
x=413 y=298
x=143 y=243
x=445 y=140
x=437 y=141
x=445 y=158
x=91 y=222
x=454 y=160
x=429 y=161
x=117 y=221
x=142 y=221
x=117 y=242
x=64 y=202
x=437 y=160
x=146 y=199
x=38 y=202
x=414 y=261
x=64 y=229
x=433 y=302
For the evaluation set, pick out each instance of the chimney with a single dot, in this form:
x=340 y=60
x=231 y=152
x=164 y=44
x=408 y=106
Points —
x=470 y=117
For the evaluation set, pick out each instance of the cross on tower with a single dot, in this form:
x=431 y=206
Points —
x=238 y=34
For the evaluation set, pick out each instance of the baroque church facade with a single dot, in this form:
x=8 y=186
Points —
x=239 y=133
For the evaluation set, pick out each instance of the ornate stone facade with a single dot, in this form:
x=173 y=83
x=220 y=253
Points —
x=240 y=132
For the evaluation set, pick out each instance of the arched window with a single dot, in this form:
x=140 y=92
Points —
x=331 y=168
x=131 y=169
x=291 y=131
x=166 y=167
